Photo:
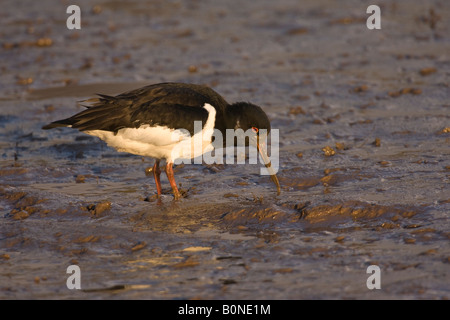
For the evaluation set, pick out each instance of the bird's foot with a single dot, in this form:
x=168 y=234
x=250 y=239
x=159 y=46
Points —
x=181 y=193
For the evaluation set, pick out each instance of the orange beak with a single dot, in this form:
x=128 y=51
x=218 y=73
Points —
x=261 y=146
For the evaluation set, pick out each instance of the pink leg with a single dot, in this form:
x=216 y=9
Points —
x=156 y=175
x=171 y=177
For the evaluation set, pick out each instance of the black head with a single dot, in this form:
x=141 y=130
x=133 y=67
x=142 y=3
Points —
x=245 y=116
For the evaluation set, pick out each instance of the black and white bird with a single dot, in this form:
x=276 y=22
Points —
x=157 y=121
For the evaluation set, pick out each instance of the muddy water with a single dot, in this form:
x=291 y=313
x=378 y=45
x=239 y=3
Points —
x=378 y=195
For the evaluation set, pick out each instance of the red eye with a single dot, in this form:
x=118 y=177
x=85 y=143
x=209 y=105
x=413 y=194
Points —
x=255 y=129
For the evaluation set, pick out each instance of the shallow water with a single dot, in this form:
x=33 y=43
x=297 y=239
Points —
x=324 y=80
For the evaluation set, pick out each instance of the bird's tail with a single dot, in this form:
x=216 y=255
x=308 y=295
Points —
x=59 y=123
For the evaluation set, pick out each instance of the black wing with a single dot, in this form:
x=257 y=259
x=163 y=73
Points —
x=173 y=105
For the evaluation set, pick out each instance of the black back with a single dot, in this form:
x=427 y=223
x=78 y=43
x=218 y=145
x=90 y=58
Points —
x=174 y=105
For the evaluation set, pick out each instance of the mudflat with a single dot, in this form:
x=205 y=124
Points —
x=364 y=152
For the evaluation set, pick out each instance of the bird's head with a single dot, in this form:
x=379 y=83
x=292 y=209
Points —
x=247 y=116
x=255 y=125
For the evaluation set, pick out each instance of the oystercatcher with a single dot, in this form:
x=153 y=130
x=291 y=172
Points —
x=156 y=120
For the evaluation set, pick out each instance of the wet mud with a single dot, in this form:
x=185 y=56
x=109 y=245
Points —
x=364 y=123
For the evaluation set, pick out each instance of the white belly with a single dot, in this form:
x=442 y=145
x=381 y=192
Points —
x=161 y=142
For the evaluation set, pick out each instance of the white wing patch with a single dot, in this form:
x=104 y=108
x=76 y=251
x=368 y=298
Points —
x=200 y=142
